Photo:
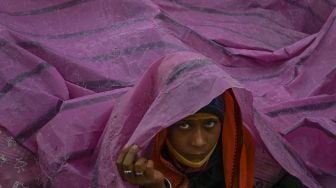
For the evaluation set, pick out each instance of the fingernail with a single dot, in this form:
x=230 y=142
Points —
x=135 y=147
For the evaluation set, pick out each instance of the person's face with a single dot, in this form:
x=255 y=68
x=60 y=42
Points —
x=194 y=136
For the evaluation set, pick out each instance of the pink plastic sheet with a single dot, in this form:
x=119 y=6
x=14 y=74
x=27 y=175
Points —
x=79 y=79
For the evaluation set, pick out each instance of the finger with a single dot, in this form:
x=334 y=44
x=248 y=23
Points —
x=140 y=167
x=128 y=162
x=121 y=155
x=120 y=160
x=149 y=172
x=152 y=174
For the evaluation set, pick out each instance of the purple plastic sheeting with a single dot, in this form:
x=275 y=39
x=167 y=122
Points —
x=79 y=79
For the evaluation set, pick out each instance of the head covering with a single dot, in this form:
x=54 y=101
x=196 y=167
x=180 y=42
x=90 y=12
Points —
x=216 y=107
x=237 y=171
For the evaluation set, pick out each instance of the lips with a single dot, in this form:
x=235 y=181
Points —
x=195 y=157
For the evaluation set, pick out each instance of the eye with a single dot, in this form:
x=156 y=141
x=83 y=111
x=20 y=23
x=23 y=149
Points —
x=184 y=126
x=210 y=124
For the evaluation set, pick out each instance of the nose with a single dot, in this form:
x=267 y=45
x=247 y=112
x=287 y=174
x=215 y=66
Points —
x=198 y=138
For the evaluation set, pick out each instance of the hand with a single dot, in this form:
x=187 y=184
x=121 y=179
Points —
x=138 y=170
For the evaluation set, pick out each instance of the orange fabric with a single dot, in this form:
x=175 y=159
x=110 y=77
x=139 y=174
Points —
x=170 y=172
x=237 y=146
x=235 y=136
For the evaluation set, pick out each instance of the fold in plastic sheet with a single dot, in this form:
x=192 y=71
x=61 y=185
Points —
x=79 y=79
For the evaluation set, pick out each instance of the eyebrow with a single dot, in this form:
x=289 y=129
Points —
x=187 y=120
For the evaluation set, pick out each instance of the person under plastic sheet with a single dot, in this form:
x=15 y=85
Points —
x=210 y=148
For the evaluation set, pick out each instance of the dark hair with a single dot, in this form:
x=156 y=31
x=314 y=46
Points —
x=216 y=107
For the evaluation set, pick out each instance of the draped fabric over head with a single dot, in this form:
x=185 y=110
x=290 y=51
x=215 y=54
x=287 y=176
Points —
x=235 y=141
x=79 y=79
x=201 y=81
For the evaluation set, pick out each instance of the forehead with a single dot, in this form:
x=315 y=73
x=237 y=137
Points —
x=200 y=116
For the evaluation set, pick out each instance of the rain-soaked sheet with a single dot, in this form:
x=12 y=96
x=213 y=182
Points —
x=79 y=79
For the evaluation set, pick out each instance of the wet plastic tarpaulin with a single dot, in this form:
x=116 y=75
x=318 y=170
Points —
x=79 y=79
